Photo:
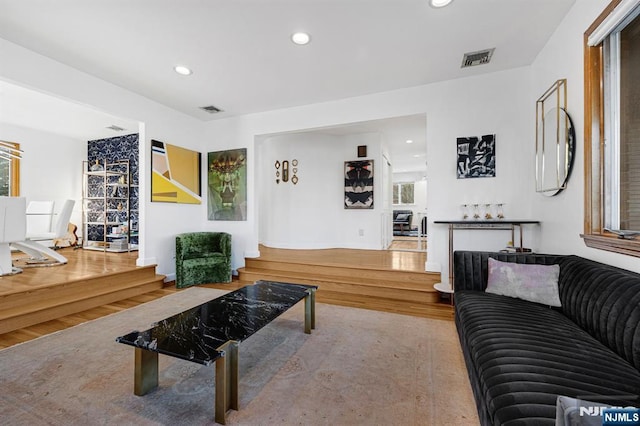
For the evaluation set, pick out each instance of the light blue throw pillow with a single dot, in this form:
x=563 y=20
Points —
x=535 y=283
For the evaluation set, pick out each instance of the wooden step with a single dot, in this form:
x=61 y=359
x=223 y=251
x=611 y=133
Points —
x=24 y=308
x=372 y=279
x=424 y=294
x=427 y=310
x=354 y=274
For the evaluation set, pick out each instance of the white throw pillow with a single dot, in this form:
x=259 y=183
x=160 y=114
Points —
x=532 y=282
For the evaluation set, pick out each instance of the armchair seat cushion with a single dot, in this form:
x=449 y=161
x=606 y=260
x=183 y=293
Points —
x=205 y=261
x=203 y=257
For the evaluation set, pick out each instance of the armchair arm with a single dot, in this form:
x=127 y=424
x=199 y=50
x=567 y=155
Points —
x=224 y=243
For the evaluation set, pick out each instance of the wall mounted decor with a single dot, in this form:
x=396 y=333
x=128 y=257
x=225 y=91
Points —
x=287 y=171
x=362 y=151
x=358 y=184
x=555 y=140
x=227 y=185
x=294 y=178
x=476 y=157
x=175 y=174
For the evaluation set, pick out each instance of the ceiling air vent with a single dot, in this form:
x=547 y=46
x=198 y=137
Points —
x=480 y=57
x=115 y=128
x=211 y=109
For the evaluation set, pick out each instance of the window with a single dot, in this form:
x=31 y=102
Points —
x=403 y=193
x=612 y=127
x=9 y=169
x=622 y=127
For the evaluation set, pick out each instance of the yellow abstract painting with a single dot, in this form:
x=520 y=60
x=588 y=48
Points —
x=175 y=174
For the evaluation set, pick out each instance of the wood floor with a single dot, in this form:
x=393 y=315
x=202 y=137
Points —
x=408 y=243
x=82 y=264
x=367 y=270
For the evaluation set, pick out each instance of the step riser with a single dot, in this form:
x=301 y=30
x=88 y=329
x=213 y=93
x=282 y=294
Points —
x=52 y=312
x=406 y=279
x=432 y=310
x=254 y=274
x=78 y=288
x=426 y=295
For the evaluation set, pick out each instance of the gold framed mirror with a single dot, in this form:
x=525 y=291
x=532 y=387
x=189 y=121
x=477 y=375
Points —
x=555 y=140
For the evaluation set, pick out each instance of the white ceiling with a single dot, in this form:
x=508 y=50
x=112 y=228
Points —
x=28 y=108
x=242 y=58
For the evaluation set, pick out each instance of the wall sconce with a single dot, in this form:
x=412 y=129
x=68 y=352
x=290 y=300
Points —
x=284 y=175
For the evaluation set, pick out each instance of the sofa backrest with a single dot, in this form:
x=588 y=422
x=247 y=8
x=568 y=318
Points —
x=471 y=267
x=193 y=245
x=604 y=301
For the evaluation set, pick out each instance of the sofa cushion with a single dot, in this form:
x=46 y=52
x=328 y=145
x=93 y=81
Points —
x=402 y=217
x=521 y=356
x=535 y=283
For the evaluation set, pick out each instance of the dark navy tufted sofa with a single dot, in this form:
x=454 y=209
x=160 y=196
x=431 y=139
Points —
x=521 y=355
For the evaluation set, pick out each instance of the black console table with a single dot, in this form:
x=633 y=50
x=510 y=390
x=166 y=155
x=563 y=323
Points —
x=498 y=224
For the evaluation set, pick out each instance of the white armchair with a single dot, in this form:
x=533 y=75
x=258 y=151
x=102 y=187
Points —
x=39 y=217
x=39 y=252
x=12 y=229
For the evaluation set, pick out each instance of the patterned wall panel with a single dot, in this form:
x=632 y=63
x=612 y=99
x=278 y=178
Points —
x=114 y=149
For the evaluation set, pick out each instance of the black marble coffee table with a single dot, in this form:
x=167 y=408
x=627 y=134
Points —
x=212 y=331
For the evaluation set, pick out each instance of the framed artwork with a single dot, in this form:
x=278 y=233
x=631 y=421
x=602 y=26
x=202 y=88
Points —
x=227 y=185
x=175 y=174
x=358 y=184
x=362 y=151
x=476 y=157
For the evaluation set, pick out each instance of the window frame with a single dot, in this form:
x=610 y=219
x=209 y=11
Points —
x=594 y=235
x=14 y=187
x=399 y=186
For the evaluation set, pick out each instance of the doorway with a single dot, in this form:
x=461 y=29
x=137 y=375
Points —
x=311 y=213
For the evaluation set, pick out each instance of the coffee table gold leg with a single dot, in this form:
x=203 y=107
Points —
x=313 y=308
x=145 y=371
x=226 y=381
x=310 y=311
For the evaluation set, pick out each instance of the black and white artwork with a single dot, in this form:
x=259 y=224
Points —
x=477 y=157
x=358 y=184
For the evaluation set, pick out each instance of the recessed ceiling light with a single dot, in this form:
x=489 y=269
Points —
x=300 y=38
x=182 y=70
x=439 y=3
x=409 y=141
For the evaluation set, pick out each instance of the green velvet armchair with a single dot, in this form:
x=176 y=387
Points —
x=203 y=257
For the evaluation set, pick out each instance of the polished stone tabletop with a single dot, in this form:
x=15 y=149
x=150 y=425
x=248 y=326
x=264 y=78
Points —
x=195 y=334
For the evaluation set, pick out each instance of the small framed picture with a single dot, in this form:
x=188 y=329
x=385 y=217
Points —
x=362 y=151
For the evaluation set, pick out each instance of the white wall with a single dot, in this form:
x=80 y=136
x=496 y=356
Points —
x=494 y=103
x=563 y=214
x=159 y=222
x=311 y=214
x=50 y=167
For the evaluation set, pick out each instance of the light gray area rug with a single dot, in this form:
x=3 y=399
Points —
x=357 y=367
